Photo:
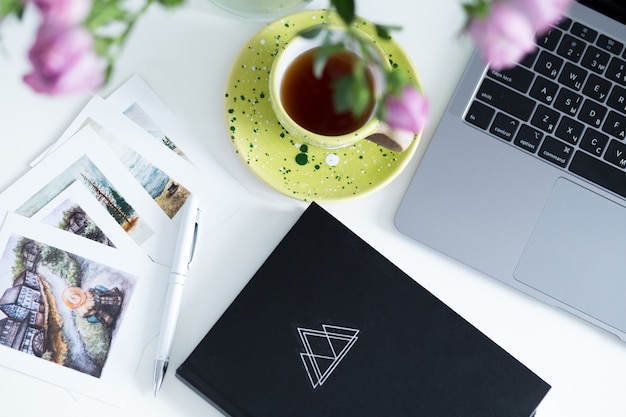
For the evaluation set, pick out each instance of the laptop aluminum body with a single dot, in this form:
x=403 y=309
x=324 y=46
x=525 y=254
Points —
x=516 y=217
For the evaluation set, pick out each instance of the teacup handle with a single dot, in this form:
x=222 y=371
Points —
x=392 y=139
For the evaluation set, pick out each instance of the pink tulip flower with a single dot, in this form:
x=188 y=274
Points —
x=542 y=13
x=407 y=111
x=64 y=62
x=504 y=37
x=63 y=12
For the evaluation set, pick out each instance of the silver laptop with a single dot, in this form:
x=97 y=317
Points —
x=525 y=176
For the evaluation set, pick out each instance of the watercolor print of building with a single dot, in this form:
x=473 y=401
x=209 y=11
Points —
x=67 y=317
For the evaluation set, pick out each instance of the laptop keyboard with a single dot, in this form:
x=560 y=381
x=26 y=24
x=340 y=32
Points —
x=565 y=103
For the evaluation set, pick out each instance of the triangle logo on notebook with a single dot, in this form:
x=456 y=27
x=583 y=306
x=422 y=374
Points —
x=324 y=349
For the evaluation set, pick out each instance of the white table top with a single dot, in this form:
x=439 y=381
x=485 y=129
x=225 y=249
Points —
x=185 y=55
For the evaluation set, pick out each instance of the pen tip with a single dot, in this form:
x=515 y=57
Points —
x=160 y=367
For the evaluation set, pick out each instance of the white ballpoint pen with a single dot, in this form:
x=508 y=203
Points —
x=185 y=247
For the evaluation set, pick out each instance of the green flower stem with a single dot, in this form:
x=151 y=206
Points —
x=108 y=12
x=352 y=91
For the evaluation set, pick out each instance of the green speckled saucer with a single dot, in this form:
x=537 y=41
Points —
x=301 y=171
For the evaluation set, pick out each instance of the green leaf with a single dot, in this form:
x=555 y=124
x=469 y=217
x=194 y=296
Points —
x=103 y=44
x=311 y=32
x=103 y=13
x=11 y=7
x=360 y=90
x=351 y=93
x=361 y=100
x=171 y=3
x=384 y=31
x=477 y=8
x=345 y=9
x=396 y=80
x=321 y=56
x=319 y=64
x=342 y=97
x=108 y=72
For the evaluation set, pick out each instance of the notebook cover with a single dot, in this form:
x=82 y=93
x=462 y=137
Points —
x=329 y=327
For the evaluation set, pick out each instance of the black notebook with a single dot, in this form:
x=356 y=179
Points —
x=329 y=327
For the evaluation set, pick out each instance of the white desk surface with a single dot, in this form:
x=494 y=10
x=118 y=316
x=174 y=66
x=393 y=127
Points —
x=185 y=55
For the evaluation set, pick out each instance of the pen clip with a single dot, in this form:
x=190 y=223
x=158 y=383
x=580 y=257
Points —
x=193 y=242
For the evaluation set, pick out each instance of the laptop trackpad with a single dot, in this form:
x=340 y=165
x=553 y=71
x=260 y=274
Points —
x=577 y=253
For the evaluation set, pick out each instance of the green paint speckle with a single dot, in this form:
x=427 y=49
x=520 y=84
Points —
x=304 y=148
x=302 y=159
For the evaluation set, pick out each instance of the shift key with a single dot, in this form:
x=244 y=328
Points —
x=505 y=99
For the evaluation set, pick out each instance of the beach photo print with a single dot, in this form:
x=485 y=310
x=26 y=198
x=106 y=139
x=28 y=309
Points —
x=84 y=158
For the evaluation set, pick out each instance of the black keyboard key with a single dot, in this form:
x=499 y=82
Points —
x=584 y=32
x=617 y=71
x=610 y=44
x=505 y=99
x=544 y=90
x=592 y=113
x=516 y=77
x=550 y=39
x=504 y=126
x=555 y=151
x=616 y=154
x=594 y=142
x=529 y=58
x=528 y=138
x=545 y=118
x=571 y=48
x=479 y=115
x=573 y=76
x=599 y=172
x=548 y=64
x=569 y=130
x=615 y=125
x=595 y=59
x=597 y=88
x=617 y=99
x=568 y=101
x=563 y=23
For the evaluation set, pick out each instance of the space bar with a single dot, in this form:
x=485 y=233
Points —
x=599 y=173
